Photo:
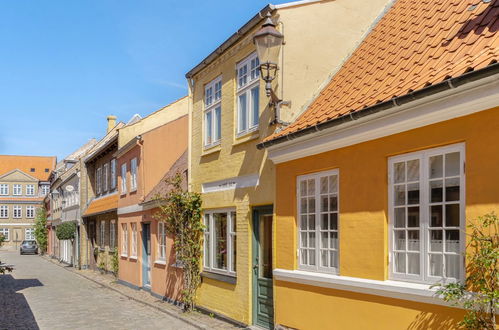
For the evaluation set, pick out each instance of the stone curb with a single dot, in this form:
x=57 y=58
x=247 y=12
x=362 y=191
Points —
x=192 y=323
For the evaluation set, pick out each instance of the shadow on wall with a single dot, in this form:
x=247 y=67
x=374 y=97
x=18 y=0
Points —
x=15 y=312
x=432 y=321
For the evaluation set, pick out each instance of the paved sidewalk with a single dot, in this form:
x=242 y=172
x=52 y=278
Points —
x=195 y=319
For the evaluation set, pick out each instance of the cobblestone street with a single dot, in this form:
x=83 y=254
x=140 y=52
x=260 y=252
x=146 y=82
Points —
x=39 y=294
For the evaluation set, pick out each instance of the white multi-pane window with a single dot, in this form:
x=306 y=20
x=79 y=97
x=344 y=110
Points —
x=4 y=189
x=17 y=211
x=426 y=196
x=102 y=237
x=112 y=234
x=123 y=178
x=98 y=180
x=4 y=211
x=45 y=189
x=30 y=211
x=124 y=239
x=213 y=112
x=17 y=190
x=134 y=240
x=113 y=174
x=30 y=190
x=29 y=234
x=106 y=177
x=133 y=174
x=248 y=94
x=5 y=233
x=220 y=241
x=318 y=222
x=161 y=241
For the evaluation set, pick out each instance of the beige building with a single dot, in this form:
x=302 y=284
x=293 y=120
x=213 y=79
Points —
x=23 y=185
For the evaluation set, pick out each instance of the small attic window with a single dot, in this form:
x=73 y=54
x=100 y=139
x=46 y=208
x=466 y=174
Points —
x=32 y=169
x=46 y=170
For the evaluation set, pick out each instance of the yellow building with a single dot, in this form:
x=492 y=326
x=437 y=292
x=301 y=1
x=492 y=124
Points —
x=230 y=115
x=377 y=180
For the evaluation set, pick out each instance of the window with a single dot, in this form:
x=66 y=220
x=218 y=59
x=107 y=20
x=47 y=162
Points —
x=134 y=240
x=46 y=170
x=161 y=241
x=113 y=174
x=248 y=94
x=5 y=233
x=4 y=211
x=112 y=234
x=318 y=223
x=4 y=189
x=220 y=242
x=102 y=237
x=98 y=178
x=30 y=190
x=32 y=169
x=30 y=211
x=106 y=177
x=213 y=113
x=426 y=196
x=133 y=174
x=123 y=178
x=124 y=239
x=45 y=189
x=29 y=234
x=17 y=190
x=17 y=211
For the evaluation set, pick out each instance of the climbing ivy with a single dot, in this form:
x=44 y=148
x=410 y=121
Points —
x=181 y=212
x=41 y=232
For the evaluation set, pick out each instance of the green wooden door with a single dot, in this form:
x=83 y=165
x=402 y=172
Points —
x=263 y=294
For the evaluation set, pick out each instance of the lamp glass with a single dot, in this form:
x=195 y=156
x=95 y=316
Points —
x=268 y=47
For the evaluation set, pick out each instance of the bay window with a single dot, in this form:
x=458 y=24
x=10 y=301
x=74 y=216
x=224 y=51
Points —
x=248 y=94
x=213 y=113
x=220 y=241
x=426 y=196
x=318 y=222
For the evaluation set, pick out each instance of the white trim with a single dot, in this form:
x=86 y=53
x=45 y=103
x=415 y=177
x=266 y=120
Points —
x=244 y=181
x=296 y=3
x=465 y=100
x=130 y=209
x=133 y=257
x=17 y=224
x=160 y=262
x=393 y=289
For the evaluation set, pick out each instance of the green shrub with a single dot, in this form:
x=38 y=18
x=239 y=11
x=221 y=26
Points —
x=66 y=230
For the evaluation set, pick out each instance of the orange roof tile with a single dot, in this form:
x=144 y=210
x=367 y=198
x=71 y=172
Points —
x=101 y=205
x=415 y=45
x=26 y=163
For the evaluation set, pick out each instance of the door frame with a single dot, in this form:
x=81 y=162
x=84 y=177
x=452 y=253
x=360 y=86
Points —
x=145 y=258
x=257 y=212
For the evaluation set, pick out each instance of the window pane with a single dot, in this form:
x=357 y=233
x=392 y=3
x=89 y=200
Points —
x=243 y=113
x=413 y=240
x=436 y=262
x=311 y=257
x=452 y=241
x=333 y=221
x=218 y=124
x=303 y=188
x=413 y=263
x=452 y=215
x=400 y=240
x=436 y=240
x=333 y=203
x=303 y=205
x=324 y=240
x=436 y=216
x=303 y=224
x=311 y=205
x=220 y=227
x=325 y=222
x=311 y=222
x=452 y=189
x=304 y=259
x=400 y=217
x=413 y=217
x=399 y=195
x=311 y=187
x=333 y=184
x=324 y=203
x=452 y=266
x=255 y=101
x=452 y=164
x=413 y=193
x=333 y=240
x=324 y=185
x=208 y=127
x=400 y=262
x=324 y=258
x=436 y=191
x=311 y=240
x=436 y=167
x=333 y=261
x=399 y=171
x=304 y=239
x=413 y=170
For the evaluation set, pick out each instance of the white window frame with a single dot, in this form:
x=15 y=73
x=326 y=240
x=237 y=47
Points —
x=29 y=234
x=247 y=79
x=133 y=174
x=123 y=179
x=4 y=211
x=4 y=189
x=30 y=212
x=133 y=252
x=316 y=178
x=208 y=263
x=30 y=190
x=124 y=240
x=102 y=234
x=161 y=241
x=15 y=210
x=17 y=190
x=212 y=103
x=106 y=177
x=98 y=180
x=6 y=233
x=45 y=189
x=424 y=205
x=113 y=173
x=112 y=234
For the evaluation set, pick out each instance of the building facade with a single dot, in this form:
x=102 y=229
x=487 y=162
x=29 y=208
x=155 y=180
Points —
x=23 y=186
x=230 y=115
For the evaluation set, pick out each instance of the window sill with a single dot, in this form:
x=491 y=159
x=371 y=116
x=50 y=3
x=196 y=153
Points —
x=160 y=262
x=393 y=289
x=220 y=277
x=124 y=255
x=132 y=258
x=246 y=137
x=211 y=150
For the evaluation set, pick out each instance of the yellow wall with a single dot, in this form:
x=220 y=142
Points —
x=364 y=223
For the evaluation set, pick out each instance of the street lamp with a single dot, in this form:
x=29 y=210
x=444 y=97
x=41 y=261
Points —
x=268 y=42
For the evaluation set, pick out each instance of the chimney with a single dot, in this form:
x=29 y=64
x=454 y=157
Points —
x=111 y=122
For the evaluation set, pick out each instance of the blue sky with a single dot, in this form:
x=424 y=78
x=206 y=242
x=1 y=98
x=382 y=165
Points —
x=66 y=65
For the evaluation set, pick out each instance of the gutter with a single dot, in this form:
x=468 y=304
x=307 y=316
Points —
x=233 y=39
x=445 y=85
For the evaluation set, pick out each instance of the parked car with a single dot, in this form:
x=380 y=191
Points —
x=28 y=247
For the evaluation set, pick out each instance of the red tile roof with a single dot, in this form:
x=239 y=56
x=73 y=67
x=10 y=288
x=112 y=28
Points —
x=42 y=166
x=415 y=45
x=101 y=205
